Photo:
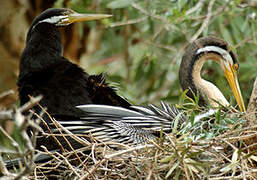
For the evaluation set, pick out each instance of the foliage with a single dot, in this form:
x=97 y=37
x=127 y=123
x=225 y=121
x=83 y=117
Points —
x=143 y=43
x=221 y=149
x=141 y=49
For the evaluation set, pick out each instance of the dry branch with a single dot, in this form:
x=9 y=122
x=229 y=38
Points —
x=252 y=106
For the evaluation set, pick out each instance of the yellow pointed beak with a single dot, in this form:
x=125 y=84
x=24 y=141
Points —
x=77 y=17
x=231 y=76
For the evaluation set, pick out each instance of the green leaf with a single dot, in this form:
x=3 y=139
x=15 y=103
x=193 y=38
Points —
x=166 y=159
x=176 y=122
x=172 y=169
x=218 y=116
x=192 y=118
x=183 y=97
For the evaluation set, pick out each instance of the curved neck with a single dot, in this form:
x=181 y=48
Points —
x=204 y=87
x=198 y=52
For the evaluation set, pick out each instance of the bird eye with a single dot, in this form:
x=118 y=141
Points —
x=236 y=67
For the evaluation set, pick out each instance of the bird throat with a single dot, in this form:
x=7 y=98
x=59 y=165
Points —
x=43 y=49
x=208 y=89
x=45 y=36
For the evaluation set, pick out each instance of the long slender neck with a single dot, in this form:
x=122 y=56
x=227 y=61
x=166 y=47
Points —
x=43 y=46
x=206 y=88
x=198 y=52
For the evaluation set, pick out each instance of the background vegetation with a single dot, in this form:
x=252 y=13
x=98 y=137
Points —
x=141 y=46
x=144 y=41
x=140 y=49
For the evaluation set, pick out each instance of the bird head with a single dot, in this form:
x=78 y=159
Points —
x=221 y=52
x=64 y=17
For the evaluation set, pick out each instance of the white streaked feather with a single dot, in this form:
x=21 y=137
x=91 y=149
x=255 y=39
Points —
x=164 y=106
x=146 y=118
x=75 y=127
x=159 y=111
x=96 y=129
x=71 y=123
x=99 y=133
x=105 y=109
x=122 y=125
x=103 y=138
x=143 y=110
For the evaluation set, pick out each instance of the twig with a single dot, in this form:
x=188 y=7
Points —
x=205 y=22
x=227 y=177
x=13 y=142
x=57 y=124
x=3 y=169
x=32 y=102
x=91 y=172
x=93 y=153
x=243 y=137
x=6 y=93
x=150 y=172
x=68 y=163
x=136 y=6
x=128 y=150
x=197 y=7
x=70 y=134
x=6 y=115
x=252 y=106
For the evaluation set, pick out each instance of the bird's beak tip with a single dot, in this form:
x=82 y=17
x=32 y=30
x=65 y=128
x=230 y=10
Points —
x=108 y=15
x=233 y=82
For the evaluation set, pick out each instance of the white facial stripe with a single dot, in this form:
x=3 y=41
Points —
x=225 y=54
x=55 y=19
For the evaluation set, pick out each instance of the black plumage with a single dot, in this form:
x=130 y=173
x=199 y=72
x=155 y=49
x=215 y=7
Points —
x=63 y=84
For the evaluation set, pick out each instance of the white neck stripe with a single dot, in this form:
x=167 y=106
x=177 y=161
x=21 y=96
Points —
x=225 y=54
x=54 y=19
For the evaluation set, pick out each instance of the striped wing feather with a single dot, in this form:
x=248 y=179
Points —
x=108 y=123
